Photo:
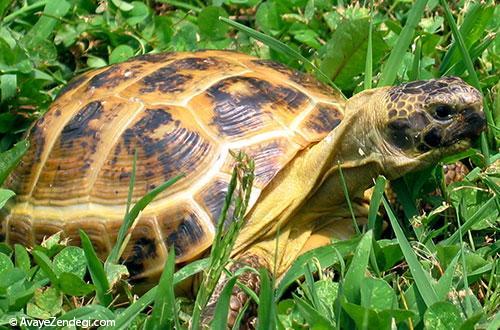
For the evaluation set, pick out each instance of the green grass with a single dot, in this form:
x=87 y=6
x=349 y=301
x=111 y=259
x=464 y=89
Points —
x=431 y=270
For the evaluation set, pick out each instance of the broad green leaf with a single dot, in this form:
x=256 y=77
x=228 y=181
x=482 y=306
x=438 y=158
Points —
x=211 y=28
x=46 y=265
x=120 y=54
x=139 y=13
x=376 y=294
x=48 y=301
x=345 y=52
x=5 y=195
x=10 y=158
x=73 y=285
x=8 y=86
x=122 y=5
x=22 y=258
x=5 y=263
x=366 y=318
x=53 y=12
x=70 y=260
x=442 y=315
x=96 y=62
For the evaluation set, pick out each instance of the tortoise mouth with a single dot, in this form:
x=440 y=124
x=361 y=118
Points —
x=467 y=128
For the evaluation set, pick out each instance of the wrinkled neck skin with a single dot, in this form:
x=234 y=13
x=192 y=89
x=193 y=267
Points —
x=309 y=188
x=362 y=151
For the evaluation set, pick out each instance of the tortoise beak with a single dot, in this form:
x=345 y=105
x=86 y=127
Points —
x=472 y=123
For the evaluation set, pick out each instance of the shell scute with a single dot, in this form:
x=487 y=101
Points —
x=183 y=113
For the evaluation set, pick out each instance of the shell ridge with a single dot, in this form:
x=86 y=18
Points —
x=94 y=174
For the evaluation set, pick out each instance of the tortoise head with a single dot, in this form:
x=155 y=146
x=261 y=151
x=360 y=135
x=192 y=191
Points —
x=422 y=121
x=433 y=115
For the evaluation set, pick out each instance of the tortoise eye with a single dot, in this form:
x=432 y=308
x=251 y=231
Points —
x=443 y=112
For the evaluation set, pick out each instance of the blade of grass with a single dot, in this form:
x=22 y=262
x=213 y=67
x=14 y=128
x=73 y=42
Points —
x=472 y=73
x=266 y=311
x=181 y=4
x=356 y=272
x=369 y=53
x=476 y=217
x=348 y=199
x=327 y=256
x=414 y=73
x=223 y=242
x=421 y=279
x=475 y=51
x=281 y=48
x=444 y=285
x=96 y=270
x=130 y=313
x=132 y=216
x=165 y=313
x=468 y=306
x=375 y=201
x=222 y=307
x=390 y=69
x=24 y=10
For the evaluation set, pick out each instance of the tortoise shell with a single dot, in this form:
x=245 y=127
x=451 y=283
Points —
x=183 y=113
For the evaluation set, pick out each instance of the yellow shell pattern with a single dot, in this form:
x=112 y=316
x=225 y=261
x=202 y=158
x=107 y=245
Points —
x=182 y=112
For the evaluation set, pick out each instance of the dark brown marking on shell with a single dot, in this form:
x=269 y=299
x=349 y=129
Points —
x=143 y=248
x=177 y=151
x=165 y=80
x=214 y=197
x=392 y=113
x=173 y=77
x=186 y=236
x=73 y=83
x=105 y=78
x=402 y=113
x=325 y=119
x=298 y=77
x=266 y=161
x=78 y=126
x=237 y=112
x=57 y=113
x=153 y=58
x=38 y=139
x=274 y=65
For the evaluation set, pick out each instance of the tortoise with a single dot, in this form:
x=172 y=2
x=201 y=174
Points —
x=184 y=112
